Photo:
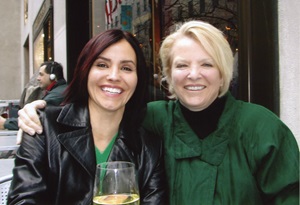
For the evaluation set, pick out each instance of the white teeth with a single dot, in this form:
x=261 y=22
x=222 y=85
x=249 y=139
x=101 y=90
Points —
x=194 y=87
x=112 y=90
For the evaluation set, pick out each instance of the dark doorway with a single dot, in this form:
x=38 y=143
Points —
x=258 y=53
x=78 y=31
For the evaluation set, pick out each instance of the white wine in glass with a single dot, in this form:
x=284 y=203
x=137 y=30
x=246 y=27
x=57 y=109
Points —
x=116 y=183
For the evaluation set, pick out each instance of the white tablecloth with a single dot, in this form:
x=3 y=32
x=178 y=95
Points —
x=6 y=166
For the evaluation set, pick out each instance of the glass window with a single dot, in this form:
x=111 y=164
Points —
x=190 y=8
x=25 y=11
x=38 y=50
x=43 y=44
x=138 y=9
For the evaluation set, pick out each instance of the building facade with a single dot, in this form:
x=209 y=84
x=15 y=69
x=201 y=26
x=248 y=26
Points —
x=10 y=55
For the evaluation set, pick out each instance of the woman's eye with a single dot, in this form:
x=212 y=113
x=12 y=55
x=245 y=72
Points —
x=102 y=65
x=181 y=65
x=126 y=68
x=207 y=65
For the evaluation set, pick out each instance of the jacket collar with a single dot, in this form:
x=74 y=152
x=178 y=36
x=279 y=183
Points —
x=49 y=87
x=55 y=84
x=74 y=115
x=213 y=148
x=79 y=141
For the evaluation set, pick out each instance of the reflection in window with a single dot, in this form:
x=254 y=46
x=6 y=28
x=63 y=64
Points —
x=179 y=12
x=215 y=3
x=38 y=50
x=190 y=8
x=138 y=9
x=202 y=6
x=116 y=21
x=99 y=16
x=222 y=14
x=49 y=39
x=25 y=11
x=43 y=43
x=145 y=5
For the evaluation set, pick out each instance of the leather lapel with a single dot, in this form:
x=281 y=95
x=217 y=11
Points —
x=79 y=144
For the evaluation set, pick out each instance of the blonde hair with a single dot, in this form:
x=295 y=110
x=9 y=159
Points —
x=214 y=43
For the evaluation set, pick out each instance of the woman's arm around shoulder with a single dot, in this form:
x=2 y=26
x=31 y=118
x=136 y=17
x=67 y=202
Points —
x=158 y=113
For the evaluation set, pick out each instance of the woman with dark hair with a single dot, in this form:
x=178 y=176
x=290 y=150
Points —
x=100 y=121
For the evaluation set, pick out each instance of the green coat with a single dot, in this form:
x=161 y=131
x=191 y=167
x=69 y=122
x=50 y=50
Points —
x=252 y=158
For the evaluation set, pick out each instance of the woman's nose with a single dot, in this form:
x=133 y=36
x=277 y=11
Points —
x=113 y=74
x=194 y=73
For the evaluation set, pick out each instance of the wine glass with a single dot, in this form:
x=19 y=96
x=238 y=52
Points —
x=116 y=183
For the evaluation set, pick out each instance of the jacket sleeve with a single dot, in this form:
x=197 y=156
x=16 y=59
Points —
x=276 y=164
x=156 y=117
x=11 y=124
x=28 y=185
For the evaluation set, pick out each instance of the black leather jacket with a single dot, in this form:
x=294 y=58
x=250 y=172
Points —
x=58 y=166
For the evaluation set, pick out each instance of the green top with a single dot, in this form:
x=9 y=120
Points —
x=102 y=157
x=252 y=157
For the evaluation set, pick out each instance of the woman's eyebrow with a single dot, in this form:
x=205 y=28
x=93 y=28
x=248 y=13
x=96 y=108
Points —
x=122 y=61
x=103 y=58
x=128 y=61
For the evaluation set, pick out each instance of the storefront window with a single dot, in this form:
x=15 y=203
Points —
x=38 y=50
x=220 y=13
x=25 y=11
x=48 y=40
x=43 y=35
x=43 y=44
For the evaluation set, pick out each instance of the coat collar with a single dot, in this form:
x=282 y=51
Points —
x=213 y=148
x=74 y=115
x=79 y=141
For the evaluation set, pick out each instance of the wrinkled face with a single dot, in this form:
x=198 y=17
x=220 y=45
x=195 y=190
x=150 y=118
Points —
x=43 y=78
x=194 y=75
x=113 y=78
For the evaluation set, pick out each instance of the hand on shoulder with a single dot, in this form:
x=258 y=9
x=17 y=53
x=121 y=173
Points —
x=28 y=118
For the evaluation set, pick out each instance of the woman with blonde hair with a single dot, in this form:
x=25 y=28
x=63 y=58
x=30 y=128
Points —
x=218 y=150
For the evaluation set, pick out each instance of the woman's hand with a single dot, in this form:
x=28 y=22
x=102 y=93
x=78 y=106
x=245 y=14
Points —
x=29 y=120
